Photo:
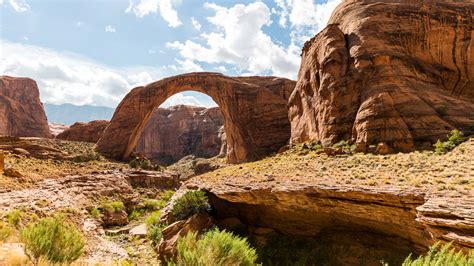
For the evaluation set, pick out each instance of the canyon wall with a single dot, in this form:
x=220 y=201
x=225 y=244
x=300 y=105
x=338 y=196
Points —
x=401 y=73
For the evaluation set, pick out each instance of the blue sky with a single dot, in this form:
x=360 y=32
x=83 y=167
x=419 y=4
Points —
x=94 y=52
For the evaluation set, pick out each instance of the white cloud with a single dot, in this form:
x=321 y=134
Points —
x=142 y=8
x=110 y=28
x=26 y=38
x=240 y=41
x=69 y=78
x=19 y=5
x=79 y=24
x=196 y=24
x=188 y=66
x=180 y=98
x=306 y=17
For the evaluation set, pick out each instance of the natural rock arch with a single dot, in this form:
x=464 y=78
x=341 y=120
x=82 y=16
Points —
x=254 y=108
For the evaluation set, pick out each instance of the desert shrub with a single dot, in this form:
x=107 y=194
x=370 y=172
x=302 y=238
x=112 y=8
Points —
x=192 y=202
x=95 y=212
x=114 y=206
x=14 y=217
x=53 y=239
x=5 y=231
x=166 y=195
x=441 y=255
x=215 y=247
x=155 y=233
x=153 y=204
x=135 y=214
x=144 y=164
x=342 y=144
x=455 y=137
x=153 y=219
x=90 y=156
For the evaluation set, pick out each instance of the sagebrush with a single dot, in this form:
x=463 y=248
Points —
x=192 y=202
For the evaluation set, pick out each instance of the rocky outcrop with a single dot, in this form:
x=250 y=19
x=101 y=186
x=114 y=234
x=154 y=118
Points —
x=57 y=129
x=21 y=112
x=393 y=72
x=86 y=132
x=254 y=110
x=181 y=130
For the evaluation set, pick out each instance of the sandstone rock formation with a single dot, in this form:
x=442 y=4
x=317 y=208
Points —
x=394 y=72
x=87 y=132
x=254 y=110
x=21 y=112
x=181 y=130
x=57 y=129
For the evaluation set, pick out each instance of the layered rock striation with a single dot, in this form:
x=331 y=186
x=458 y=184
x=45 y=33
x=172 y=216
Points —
x=397 y=72
x=181 y=130
x=86 y=132
x=254 y=110
x=21 y=111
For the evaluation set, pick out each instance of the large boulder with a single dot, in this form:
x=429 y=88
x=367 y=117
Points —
x=21 y=111
x=181 y=130
x=398 y=72
x=86 y=132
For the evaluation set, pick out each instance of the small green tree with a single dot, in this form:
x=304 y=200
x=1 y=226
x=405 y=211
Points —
x=53 y=239
x=441 y=255
x=215 y=247
x=455 y=137
x=192 y=202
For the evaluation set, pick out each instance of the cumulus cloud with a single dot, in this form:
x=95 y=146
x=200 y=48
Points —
x=196 y=24
x=306 y=17
x=181 y=98
x=69 y=78
x=142 y=8
x=110 y=28
x=240 y=41
x=18 y=5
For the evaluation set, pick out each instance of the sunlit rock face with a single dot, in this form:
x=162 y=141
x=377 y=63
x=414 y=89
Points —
x=254 y=110
x=181 y=130
x=87 y=132
x=397 y=73
x=21 y=111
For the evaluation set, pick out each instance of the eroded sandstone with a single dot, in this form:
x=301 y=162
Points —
x=254 y=111
x=87 y=132
x=399 y=73
x=21 y=112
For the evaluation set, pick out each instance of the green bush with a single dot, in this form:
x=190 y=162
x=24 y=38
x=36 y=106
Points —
x=144 y=164
x=155 y=233
x=441 y=255
x=14 y=217
x=342 y=144
x=95 y=212
x=114 y=206
x=53 y=239
x=5 y=231
x=192 y=202
x=215 y=248
x=135 y=214
x=166 y=195
x=153 y=204
x=153 y=218
x=455 y=137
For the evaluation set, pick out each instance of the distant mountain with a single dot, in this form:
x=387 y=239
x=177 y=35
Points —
x=69 y=114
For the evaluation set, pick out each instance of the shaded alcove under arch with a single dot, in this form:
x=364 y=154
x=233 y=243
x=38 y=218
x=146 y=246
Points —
x=254 y=108
x=182 y=126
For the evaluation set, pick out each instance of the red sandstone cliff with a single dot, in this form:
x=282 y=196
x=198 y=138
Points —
x=21 y=112
x=181 y=130
x=399 y=73
x=87 y=132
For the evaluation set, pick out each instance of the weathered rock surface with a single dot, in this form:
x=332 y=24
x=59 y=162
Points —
x=254 y=110
x=393 y=72
x=111 y=218
x=26 y=147
x=409 y=220
x=86 y=132
x=21 y=112
x=196 y=223
x=181 y=130
x=153 y=179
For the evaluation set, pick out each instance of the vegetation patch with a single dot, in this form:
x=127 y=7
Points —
x=192 y=202
x=52 y=239
x=215 y=247
x=14 y=217
x=5 y=231
x=441 y=255
x=112 y=207
x=454 y=138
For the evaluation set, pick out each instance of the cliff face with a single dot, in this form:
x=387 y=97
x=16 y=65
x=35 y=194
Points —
x=181 y=130
x=21 y=112
x=398 y=73
x=87 y=132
